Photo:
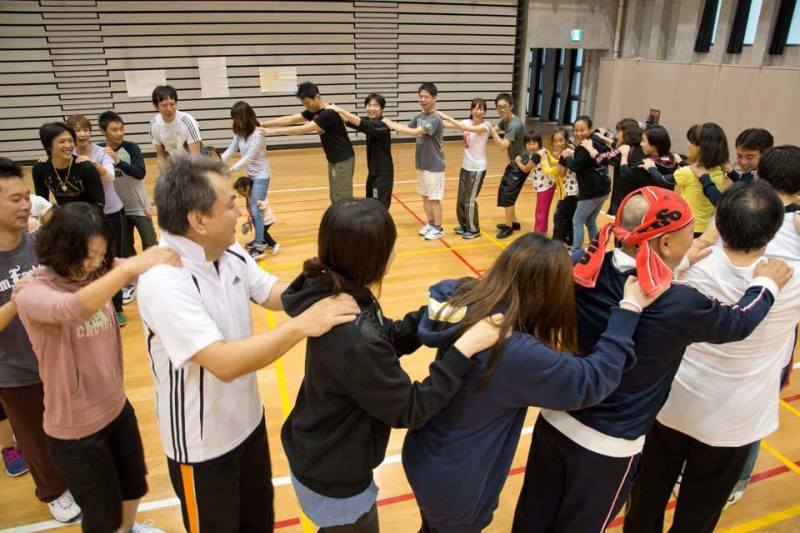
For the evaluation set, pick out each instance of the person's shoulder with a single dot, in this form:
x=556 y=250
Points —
x=160 y=278
x=85 y=166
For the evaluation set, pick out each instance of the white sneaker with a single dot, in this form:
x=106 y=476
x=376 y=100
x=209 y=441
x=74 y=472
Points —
x=128 y=293
x=64 y=509
x=145 y=527
x=425 y=229
x=276 y=248
x=434 y=234
x=734 y=498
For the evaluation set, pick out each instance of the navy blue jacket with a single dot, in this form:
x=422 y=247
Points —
x=679 y=317
x=458 y=462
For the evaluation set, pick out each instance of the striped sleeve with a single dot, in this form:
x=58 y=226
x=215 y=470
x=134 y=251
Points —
x=189 y=125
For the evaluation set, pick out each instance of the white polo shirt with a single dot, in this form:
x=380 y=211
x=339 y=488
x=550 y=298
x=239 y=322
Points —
x=184 y=310
x=727 y=394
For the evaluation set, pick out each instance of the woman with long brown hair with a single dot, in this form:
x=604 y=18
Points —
x=458 y=462
x=251 y=143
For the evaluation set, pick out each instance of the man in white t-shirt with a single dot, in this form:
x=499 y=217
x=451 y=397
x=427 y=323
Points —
x=172 y=131
x=724 y=396
x=203 y=354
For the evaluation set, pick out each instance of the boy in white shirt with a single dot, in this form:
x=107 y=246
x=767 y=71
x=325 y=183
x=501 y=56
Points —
x=172 y=131
x=724 y=397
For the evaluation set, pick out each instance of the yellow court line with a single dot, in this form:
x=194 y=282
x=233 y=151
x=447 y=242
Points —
x=494 y=241
x=789 y=408
x=286 y=408
x=760 y=523
x=780 y=457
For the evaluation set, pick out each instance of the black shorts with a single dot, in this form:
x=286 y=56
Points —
x=103 y=470
x=510 y=186
x=230 y=493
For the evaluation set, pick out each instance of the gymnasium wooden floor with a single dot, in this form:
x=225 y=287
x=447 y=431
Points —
x=299 y=196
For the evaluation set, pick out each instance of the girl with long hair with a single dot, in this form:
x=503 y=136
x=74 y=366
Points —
x=458 y=462
x=252 y=145
x=354 y=389
x=473 y=167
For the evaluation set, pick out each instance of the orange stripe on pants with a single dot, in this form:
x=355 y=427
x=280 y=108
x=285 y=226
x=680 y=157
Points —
x=190 y=499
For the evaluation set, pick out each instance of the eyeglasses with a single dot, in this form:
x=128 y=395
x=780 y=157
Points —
x=502 y=106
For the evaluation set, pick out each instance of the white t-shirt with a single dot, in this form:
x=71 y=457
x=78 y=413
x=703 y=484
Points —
x=175 y=135
x=727 y=394
x=786 y=244
x=183 y=311
x=475 y=148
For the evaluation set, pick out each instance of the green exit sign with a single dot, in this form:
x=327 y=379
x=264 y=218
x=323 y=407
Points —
x=576 y=35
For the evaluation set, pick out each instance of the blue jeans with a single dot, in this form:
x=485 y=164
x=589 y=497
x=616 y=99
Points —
x=586 y=214
x=258 y=193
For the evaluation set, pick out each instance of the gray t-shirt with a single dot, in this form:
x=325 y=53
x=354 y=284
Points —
x=430 y=154
x=18 y=364
x=515 y=132
x=130 y=190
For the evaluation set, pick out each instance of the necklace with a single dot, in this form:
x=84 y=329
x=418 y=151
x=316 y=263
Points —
x=62 y=183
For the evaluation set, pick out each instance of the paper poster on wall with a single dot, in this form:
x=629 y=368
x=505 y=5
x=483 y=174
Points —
x=142 y=82
x=213 y=77
x=278 y=79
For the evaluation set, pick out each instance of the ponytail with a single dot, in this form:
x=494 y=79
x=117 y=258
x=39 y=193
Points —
x=314 y=268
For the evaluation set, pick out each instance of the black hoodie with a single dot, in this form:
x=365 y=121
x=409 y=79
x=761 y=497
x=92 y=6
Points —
x=592 y=178
x=354 y=391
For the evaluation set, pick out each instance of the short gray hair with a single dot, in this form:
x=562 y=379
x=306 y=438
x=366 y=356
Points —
x=183 y=187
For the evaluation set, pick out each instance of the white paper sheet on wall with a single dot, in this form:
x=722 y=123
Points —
x=142 y=82
x=278 y=79
x=213 y=77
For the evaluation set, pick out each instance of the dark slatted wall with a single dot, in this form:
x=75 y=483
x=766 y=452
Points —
x=64 y=57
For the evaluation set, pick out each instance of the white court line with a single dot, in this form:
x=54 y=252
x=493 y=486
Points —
x=796 y=366
x=174 y=502
x=361 y=185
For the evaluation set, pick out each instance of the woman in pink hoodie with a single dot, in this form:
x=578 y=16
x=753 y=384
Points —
x=67 y=312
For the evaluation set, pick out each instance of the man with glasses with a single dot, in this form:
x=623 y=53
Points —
x=512 y=181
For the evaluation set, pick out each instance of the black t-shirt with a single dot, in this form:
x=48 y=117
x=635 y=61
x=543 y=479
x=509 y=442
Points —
x=334 y=137
x=379 y=146
x=81 y=183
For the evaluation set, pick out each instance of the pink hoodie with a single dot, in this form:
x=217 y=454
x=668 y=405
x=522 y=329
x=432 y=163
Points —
x=79 y=352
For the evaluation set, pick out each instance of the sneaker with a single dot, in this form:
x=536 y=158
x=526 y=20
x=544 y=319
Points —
x=276 y=248
x=64 y=509
x=128 y=293
x=122 y=320
x=467 y=234
x=250 y=245
x=257 y=252
x=460 y=230
x=424 y=230
x=504 y=232
x=15 y=463
x=734 y=498
x=516 y=226
x=145 y=527
x=434 y=233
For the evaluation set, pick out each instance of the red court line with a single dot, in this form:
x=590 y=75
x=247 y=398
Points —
x=760 y=476
x=792 y=398
x=441 y=240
